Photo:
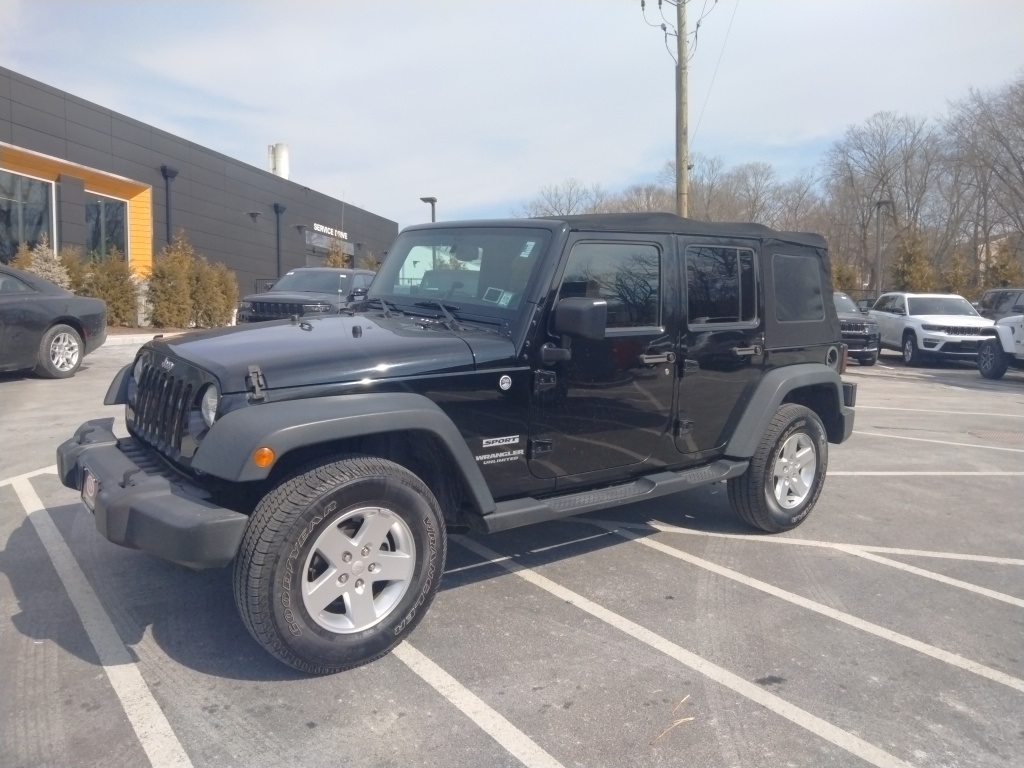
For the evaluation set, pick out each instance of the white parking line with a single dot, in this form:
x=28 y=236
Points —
x=151 y=727
x=865 y=626
x=517 y=743
x=933 y=576
x=931 y=412
x=761 y=539
x=939 y=442
x=821 y=728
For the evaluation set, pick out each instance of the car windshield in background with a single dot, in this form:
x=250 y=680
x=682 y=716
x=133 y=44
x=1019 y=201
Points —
x=844 y=303
x=311 y=282
x=940 y=305
x=476 y=267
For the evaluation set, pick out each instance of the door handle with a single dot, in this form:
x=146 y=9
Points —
x=666 y=357
x=753 y=351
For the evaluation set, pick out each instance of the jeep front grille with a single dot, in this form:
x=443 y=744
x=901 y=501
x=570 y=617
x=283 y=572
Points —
x=967 y=330
x=276 y=309
x=163 y=406
x=854 y=327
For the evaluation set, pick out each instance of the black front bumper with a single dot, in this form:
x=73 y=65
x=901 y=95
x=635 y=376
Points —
x=143 y=504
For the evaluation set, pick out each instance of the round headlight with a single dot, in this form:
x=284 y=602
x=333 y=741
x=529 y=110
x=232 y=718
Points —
x=208 y=404
x=245 y=305
x=137 y=370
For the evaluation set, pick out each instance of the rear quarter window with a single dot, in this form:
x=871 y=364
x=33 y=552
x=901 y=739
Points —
x=799 y=296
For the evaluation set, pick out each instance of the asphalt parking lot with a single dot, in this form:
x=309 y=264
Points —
x=887 y=630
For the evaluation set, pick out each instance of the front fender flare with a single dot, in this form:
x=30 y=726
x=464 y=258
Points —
x=226 y=451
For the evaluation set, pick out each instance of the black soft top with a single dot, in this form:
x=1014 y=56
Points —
x=672 y=224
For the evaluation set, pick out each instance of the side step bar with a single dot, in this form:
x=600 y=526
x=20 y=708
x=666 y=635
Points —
x=518 y=512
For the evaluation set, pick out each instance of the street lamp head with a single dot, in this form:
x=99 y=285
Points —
x=430 y=200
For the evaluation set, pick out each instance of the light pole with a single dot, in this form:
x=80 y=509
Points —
x=878 y=244
x=433 y=202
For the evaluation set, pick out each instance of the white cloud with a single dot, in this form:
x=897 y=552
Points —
x=482 y=104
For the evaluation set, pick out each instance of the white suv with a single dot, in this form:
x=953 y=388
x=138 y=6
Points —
x=930 y=324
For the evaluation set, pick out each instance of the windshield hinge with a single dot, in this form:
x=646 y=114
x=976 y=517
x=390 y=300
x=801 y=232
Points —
x=256 y=383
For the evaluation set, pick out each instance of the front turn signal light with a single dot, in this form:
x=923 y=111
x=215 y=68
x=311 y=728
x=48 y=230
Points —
x=263 y=457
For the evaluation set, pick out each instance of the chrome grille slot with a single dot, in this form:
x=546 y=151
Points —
x=164 y=405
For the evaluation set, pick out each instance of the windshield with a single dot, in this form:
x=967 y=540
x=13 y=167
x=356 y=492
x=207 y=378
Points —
x=465 y=267
x=844 y=303
x=940 y=305
x=311 y=282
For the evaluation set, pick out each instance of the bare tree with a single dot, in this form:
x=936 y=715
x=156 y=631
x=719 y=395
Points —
x=566 y=199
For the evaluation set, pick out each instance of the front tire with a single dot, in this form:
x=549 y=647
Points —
x=868 y=359
x=339 y=563
x=992 y=362
x=912 y=355
x=60 y=353
x=786 y=473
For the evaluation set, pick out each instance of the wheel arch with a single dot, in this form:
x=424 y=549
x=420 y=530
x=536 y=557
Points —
x=406 y=428
x=814 y=386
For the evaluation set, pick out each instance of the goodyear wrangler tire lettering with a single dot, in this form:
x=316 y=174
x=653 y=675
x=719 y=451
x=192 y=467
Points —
x=339 y=563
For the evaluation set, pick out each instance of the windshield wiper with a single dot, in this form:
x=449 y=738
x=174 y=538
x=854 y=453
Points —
x=450 y=322
x=386 y=305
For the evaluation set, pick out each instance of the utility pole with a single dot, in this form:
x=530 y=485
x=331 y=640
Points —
x=682 y=115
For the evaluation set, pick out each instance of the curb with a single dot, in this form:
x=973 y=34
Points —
x=133 y=339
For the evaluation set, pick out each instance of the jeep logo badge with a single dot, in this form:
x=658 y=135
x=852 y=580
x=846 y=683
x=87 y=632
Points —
x=167 y=365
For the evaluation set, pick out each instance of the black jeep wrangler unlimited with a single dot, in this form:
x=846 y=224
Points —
x=499 y=373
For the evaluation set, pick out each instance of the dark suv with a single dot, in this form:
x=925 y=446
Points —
x=306 y=291
x=1001 y=302
x=500 y=373
x=860 y=332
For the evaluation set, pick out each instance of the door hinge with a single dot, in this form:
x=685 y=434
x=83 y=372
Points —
x=257 y=384
x=544 y=380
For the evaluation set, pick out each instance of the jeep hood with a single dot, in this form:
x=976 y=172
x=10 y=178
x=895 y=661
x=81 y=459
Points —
x=336 y=349
x=296 y=297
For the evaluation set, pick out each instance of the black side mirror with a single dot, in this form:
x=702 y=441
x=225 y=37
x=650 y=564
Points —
x=359 y=294
x=575 y=316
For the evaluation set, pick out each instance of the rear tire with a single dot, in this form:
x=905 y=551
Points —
x=912 y=355
x=60 y=353
x=339 y=563
x=786 y=473
x=992 y=362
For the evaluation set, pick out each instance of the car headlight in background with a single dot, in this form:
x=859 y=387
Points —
x=208 y=404
x=932 y=327
x=244 y=305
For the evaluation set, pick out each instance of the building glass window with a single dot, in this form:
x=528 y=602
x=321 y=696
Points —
x=26 y=213
x=105 y=225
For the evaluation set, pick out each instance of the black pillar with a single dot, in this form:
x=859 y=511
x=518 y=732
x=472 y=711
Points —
x=278 y=209
x=168 y=173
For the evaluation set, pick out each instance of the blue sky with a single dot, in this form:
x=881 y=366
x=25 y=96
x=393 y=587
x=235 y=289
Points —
x=481 y=104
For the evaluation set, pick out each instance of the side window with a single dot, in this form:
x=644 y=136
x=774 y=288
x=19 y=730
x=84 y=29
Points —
x=899 y=302
x=1007 y=300
x=884 y=304
x=720 y=285
x=988 y=301
x=798 y=293
x=10 y=284
x=626 y=275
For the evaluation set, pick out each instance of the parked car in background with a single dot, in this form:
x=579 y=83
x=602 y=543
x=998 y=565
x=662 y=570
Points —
x=44 y=327
x=860 y=332
x=924 y=325
x=1001 y=302
x=306 y=291
x=1005 y=350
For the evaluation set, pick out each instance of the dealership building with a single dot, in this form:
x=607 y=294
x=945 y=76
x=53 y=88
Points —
x=82 y=175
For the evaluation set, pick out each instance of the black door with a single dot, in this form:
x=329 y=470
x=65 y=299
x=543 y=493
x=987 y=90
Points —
x=722 y=349
x=610 y=406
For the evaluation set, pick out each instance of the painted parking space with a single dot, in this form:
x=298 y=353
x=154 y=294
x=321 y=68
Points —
x=883 y=631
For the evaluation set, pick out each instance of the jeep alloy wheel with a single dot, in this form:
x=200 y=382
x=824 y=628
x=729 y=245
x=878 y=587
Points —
x=786 y=473
x=339 y=563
